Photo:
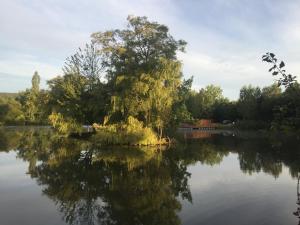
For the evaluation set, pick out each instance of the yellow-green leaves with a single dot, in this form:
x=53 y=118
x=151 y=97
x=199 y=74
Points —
x=64 y=125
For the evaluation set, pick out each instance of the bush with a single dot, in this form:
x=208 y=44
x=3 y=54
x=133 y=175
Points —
x=130 y=133
x=11 y=112
x=64 y=125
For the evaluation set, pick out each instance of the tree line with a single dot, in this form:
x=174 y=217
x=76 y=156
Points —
x=134 y=74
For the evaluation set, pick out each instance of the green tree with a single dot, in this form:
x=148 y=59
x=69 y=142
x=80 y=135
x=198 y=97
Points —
x=287 y=108
x=86 y=62
x=248 y=102
x=225 y=110
x=31 y=101
x=35 y=81
x=10 y=111
x=142 y=70
x=66 y=96
x=180 y=110
x=270 y=97
x=201 y=104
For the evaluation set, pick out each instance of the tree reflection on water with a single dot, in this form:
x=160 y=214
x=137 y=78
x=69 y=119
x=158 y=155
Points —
x=91 y=184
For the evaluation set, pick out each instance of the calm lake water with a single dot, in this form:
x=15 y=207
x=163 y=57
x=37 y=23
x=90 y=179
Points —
x=210 y=179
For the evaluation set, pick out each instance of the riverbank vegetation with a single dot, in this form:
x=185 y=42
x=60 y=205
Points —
x=129 y=83
x=131 y=132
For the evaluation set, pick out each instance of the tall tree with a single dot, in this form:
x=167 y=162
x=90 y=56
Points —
x=248 y=102
x=86 y=62
x=35 y=81
x=270 y=97
x=287 y=109
x=30 y=101
x=66 y=96
x=201 y=104
x=142 y=70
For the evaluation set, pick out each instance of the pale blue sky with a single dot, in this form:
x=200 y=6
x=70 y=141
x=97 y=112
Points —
x=226 y=38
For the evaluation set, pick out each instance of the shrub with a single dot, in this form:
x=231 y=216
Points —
x=132 y=132
x=64 y=125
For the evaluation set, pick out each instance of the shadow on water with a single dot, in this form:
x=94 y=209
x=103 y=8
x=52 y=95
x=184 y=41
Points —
x=113 y=185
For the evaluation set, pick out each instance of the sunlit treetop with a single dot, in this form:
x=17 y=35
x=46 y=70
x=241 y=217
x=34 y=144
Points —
x=138 y=47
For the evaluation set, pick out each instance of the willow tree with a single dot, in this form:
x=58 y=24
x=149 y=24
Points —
x=142 y=70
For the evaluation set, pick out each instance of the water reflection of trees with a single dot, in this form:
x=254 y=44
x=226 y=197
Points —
x=95 y=185
x=267 y=154
x=105 y=186
x=263 y=155
x=9 y=140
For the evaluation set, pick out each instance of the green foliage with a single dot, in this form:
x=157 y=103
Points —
x=180 y=111
x=225 y=110
x=80 y=93
x=11 y=112
x=201 y=104
x=85 y=62
x=285 y=80
x=142 y=71
x=136 y=49
x=66 y=96
x=35 y=82
x=247 y=104
x=64 y=125
x=134 y=73
x=270 y=97
x=131 y=132
x=34 y=103
x=28 y=100
x=287 y=109
x=270 y=106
